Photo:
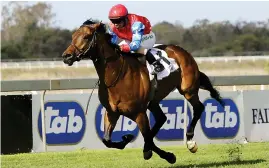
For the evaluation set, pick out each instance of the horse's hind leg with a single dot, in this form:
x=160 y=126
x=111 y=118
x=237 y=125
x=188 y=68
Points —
x=159 y=117
x=198 y=108
x=110 y=121
x=143 y=124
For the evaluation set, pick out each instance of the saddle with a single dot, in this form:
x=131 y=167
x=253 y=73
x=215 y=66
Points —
x=169 y=64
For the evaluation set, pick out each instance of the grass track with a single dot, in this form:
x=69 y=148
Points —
x=251 y=155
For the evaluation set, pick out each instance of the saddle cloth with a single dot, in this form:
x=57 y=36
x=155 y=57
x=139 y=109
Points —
x=169 y=67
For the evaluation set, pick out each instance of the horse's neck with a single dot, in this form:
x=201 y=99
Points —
x=109 y=71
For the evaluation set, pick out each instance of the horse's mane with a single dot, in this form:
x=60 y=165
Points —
x=103 y=29
x=89 y=22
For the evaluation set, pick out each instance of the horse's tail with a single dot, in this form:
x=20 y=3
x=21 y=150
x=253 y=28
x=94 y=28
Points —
x=206 y=84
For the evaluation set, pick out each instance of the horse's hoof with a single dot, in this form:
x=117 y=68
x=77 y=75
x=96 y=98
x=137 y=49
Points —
x=127 y=138
x=147 y=155
x=171 y=158
x=190 y=135
x=192 y=146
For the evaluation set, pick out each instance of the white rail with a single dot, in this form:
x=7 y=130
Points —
x=88 y=63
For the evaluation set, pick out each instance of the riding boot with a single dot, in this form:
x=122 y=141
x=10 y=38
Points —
x=158 y=67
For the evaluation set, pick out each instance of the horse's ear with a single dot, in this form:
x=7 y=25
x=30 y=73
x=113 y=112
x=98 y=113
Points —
x=96 y=26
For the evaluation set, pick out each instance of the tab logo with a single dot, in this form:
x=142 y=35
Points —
x=173 y=128
x=218 y=122
x=124 y=125
x=65 y=123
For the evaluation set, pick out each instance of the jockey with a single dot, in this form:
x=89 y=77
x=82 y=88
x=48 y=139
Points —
x=133 y=34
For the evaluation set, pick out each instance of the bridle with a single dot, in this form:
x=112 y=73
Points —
x=92 y=44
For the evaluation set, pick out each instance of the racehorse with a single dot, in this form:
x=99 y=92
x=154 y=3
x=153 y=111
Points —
x=125 y=87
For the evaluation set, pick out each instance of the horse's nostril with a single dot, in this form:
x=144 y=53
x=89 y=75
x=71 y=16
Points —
x=68 y=59
x=66 y=55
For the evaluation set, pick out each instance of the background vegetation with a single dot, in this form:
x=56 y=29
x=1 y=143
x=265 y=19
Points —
x=28 y=32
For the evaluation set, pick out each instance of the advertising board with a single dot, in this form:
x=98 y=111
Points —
x=256 y=109
x=245 y=114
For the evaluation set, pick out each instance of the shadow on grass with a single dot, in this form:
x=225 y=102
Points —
x=220 y=164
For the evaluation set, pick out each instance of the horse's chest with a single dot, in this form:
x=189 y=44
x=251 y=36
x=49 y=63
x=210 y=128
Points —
x=125 y=103
x=130 y=107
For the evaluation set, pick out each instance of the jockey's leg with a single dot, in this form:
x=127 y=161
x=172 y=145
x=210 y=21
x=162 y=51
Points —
x=151 y=55
x=147 y=49
x=152 y=60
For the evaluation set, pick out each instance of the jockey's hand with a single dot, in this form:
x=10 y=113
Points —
x=125 y=48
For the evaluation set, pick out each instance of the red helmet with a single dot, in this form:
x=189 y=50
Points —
x=118 y=11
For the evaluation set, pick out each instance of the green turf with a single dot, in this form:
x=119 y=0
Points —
x=248 y=156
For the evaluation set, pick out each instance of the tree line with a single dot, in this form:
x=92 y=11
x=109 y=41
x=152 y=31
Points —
x=27 y=32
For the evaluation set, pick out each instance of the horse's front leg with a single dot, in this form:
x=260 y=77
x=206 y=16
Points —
x=149 y=146
x=110 y=121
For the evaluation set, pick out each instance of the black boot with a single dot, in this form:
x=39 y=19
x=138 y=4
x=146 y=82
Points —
x=158 y=67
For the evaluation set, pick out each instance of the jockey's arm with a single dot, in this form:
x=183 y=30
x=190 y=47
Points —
x=137 y=31
x=114 y=38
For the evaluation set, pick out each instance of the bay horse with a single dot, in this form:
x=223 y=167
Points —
x=125 y=88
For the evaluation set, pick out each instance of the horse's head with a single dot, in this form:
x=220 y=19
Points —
x=84 y=42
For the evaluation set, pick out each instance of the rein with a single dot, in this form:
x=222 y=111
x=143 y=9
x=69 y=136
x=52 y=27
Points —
x=92 y=44
x=118 y=77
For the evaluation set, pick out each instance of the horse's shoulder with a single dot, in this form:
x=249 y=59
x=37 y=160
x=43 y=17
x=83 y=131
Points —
x=134 y=59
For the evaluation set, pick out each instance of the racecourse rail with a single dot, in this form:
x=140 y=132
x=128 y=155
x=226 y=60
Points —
x=13 y=64
x=89 y=83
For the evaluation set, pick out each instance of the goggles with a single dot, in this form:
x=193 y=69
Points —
x=117 y=21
